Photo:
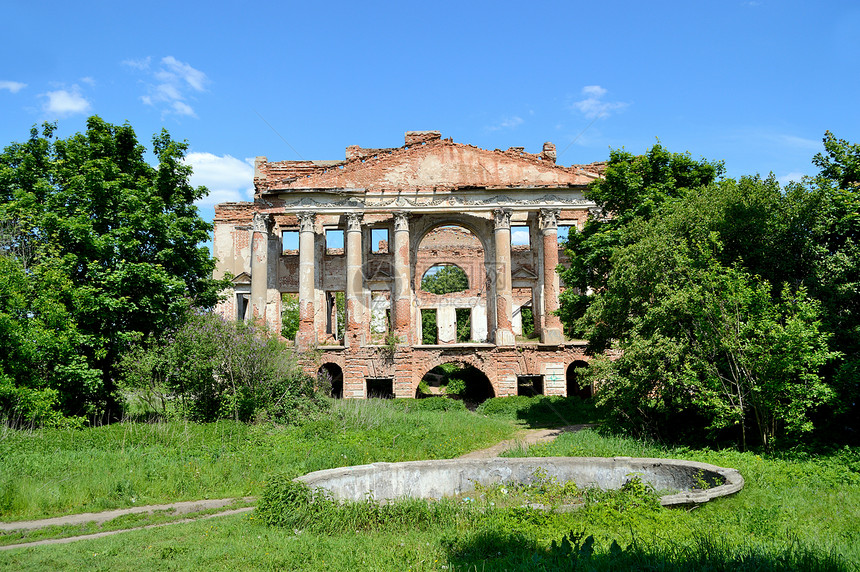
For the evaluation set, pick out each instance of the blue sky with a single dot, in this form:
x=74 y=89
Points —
x=753 y=83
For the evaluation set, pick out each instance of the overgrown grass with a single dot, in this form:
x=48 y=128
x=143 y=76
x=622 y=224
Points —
x=49 y=472
x=797 y=511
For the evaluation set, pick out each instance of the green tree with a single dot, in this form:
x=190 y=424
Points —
x=699 y=332
x=445 y=279
x=124 y=235
x=633 y=189
x=834 y=259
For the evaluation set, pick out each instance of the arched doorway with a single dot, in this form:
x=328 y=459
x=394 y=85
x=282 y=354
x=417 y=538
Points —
x=575 y=384
x=330 y=379
x=457 y=380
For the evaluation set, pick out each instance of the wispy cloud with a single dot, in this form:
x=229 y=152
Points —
x=227 y=178
x=65 y=102
x=172 y=83
x=593 y=105
x=791 y=177
x=507 y=123
x=13 y=86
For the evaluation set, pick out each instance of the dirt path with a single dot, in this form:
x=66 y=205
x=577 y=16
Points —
x=526 y=438
x=185 y=507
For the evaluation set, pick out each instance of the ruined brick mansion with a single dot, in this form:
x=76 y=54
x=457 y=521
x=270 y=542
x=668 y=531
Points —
x=366 y=230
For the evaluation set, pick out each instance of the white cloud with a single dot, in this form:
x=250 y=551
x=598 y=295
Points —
x=227 y=178
x=794 y=176
x=519 y=237
x=507 y=123
x=171 y=84
x=182 y=108
x=141 y=64
x=64 y=102
x=594 y=106
x=195 y=78
x=13 y=86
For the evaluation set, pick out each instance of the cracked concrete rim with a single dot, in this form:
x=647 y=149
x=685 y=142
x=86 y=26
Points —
x=526 y=438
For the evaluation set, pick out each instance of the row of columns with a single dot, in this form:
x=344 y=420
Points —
x=356 y=323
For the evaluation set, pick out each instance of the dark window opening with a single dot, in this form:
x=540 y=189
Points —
x=242 y=303
x=380 y=387
x=530 y=385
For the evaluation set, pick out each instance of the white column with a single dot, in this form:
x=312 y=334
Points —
x=261 y=228
x=306 y=336
x=402 y=303
x=504 y=291
x=356 y=328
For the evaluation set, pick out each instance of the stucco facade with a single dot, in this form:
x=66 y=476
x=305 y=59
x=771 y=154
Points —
x=366 y=229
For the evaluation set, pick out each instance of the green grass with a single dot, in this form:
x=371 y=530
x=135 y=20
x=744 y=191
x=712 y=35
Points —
x=797 y=512
x=52 y=472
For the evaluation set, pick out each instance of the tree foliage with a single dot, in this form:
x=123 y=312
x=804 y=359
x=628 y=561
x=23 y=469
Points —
x=445 y=279
x=107 y=238
x=731 y=300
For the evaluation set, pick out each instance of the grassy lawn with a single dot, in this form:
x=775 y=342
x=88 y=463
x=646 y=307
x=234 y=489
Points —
x=796 y=512
x=55 y=472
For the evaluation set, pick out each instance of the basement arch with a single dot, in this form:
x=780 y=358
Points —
x=331 y=374
x=575 y=384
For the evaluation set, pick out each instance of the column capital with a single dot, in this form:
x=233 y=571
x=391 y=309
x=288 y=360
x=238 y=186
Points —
x=262 y=222
x=548 y=219
x=306 y=221
x=401 y=221
x=502 y=218
x=353 y=221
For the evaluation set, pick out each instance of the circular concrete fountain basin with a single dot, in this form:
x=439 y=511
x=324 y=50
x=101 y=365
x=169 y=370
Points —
x=448 y=478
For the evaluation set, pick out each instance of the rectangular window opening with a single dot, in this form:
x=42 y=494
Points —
x=429 y=330
x=289 y=315
x=529 y=385
x=334 y=241
x=380 y=387
x=243 y=305
x=290 y=242
x=520 y=238
x=379 y=241
x=335 y=319
x=464 y=325
x=564 y=233
x=380 y=312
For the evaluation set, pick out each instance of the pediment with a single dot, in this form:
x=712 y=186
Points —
x=242 y=279
x=437 y=165
x=523 y=274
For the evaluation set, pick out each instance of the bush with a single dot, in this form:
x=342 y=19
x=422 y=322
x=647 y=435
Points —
x=212 y=368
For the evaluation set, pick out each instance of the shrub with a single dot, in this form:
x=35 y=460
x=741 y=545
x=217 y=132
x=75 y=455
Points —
x=212 y=368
